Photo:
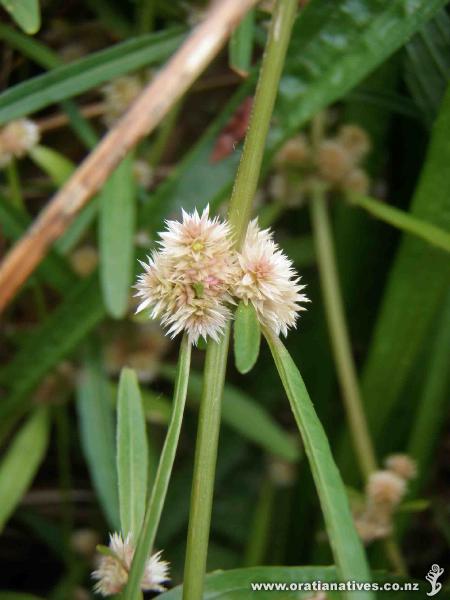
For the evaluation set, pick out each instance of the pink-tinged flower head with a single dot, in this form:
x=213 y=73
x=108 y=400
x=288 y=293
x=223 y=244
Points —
x=112 y=571
x=269 y=281
x=186 y=282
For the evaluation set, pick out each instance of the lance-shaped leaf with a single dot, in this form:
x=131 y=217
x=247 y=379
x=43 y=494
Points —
x=132 y=453
x=247 y=337
x=345 y=543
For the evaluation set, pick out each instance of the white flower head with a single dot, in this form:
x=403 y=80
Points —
x=16 y=139
x=268 y=280
x=385 y=487
x=186 y=282
x=112 y=571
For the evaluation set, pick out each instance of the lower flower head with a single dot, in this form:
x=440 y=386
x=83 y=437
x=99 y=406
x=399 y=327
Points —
x=112 y=572
x=16 y=139
x=268 y=280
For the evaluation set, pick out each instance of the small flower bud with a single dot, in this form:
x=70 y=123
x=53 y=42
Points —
x=119 y=94
x=281 y=472
x=143 y=173
x=402 y=465
x=385 y=488
x=356 y=180
x=333 y=161
x=295 y=152
x=84 y=260
x=16 y=139
x=355 y=140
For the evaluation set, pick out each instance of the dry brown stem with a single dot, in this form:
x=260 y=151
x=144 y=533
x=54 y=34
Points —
x=144 y=115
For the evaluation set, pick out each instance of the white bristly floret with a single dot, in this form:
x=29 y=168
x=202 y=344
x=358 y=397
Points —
x=16 y=139
x=268 y=280
x=186 y=282
x=112 y=571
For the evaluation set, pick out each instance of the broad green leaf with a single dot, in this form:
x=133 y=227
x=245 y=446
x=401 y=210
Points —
x=96 y=423
x=241 y=44
x=345 y=543
x=245 y=416
x=58 y=167
x=237 y=584
x=79 y=76
x=132 y=454
x=26 y=13
x=116 y=237
x=416 y=287
x=402 y=220
x=334 y=46
x=247 y=337
x=21 y=461
x=427 y=65
x=51 y=342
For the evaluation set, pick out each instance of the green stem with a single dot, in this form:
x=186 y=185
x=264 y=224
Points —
x=159 y=490
x=340 y=341
x=14 y=185
x=216 y=354
x=401 y=220
x=256 y=549
x=204 y=468
x=266 y=92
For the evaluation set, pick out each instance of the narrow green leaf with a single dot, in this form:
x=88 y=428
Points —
x=116 y=237
x=58 y=167
x=241 y=45
x=26 y=13
x=157 y=500
x=132 y=454
x=345 y=543
x=21 y=461
x=247 y=337
x=417 y=285
x=237 y=584
x=75 y=78
x=402 y=220
x=96 y=422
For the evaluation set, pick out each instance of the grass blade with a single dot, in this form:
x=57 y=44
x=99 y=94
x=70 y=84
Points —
x=58 y=167
x=21 y=461
x=402 y=220
x=96 y=422
x=164 y=472
x=345 y=543
x=26 y=13
x=132 y=454
x=79 y=76
x=241 y=45
x=247 y=337
x=116 y=237
x=408 y=308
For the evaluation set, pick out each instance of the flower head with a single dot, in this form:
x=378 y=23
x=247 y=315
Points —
x=386 y=488
x=186 y=282
x=119 y=94
x=16 y=139
x=112 y=571
x=267 y=279
x=402 y=465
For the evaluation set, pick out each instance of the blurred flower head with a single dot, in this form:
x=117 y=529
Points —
x=268 y=280
x=402 y=465
x=119 y=94
x=113 y=569
x=16 y=139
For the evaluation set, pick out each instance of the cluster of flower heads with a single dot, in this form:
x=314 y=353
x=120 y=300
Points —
x=384 y=491
x=336 y=161
x=113 y=569
x=194 y=277
x=16 y=139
